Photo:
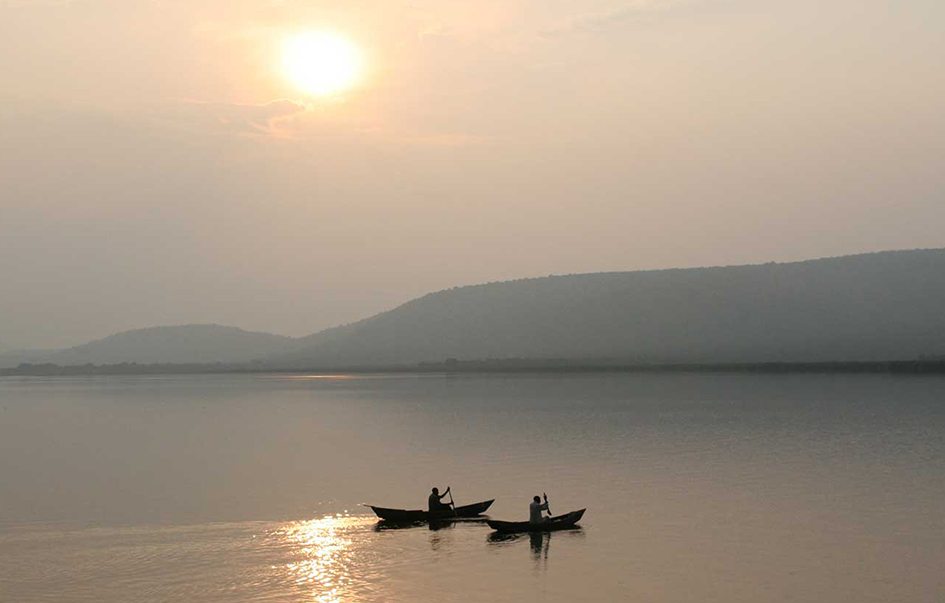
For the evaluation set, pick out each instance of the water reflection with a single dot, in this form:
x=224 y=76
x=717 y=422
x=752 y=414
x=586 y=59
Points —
x=383 y=526
x=540 y=542
x=433 y=526
x=322 y=555
x=499 y=538
x=339 y=377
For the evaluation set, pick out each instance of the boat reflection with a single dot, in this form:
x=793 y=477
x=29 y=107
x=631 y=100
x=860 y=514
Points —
x=539 y=542
x=433 y=526
x=501 y=538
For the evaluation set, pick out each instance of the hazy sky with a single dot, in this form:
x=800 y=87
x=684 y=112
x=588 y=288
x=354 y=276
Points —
x=158 y=167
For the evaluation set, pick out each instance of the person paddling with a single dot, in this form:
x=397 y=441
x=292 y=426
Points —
x=535 y=509
x=434 y=505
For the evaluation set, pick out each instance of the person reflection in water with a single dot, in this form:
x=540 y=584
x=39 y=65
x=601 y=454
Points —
x=535 y=509
x=540 y=542
x=435 y=506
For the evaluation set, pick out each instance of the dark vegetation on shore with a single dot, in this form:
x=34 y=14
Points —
x=506 y=365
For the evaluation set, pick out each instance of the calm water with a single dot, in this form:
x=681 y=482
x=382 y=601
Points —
x=249 y=488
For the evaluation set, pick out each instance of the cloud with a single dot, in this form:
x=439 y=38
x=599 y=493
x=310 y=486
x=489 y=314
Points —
x=34 y=3
x=230 y=118
x=592 y=22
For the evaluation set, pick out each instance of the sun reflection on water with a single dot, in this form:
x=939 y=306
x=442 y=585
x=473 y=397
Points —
x=323 y=555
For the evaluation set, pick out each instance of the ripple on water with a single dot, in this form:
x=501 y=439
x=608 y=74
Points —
x=328 y=559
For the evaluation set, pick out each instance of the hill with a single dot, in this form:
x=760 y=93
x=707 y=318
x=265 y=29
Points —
x=879 y=306
x=180 y=344
x=11 y=358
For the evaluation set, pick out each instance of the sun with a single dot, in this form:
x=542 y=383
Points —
x=321 y=63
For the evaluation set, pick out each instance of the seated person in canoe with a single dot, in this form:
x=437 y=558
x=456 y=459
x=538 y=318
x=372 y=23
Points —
x=535 y=509
x=435 y=506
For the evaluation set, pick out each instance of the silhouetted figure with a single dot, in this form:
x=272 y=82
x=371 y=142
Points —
x=434 y=505
x=535 y=509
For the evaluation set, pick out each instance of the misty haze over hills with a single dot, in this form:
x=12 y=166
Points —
x=881 y=306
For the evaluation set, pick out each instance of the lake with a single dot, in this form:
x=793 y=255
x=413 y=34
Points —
x=699 y=487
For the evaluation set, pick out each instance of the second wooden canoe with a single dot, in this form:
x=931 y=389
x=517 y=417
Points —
x=402 y=515
x=560 y=522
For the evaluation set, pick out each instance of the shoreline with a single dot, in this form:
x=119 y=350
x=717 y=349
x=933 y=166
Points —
x=896 y=367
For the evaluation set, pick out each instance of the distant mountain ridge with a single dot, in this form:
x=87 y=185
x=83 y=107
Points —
x=12 y=358
x=879 y=306
x=868 y=307
x=179 y=344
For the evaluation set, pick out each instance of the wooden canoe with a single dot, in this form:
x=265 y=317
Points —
x=560 y=522
x=401 y=515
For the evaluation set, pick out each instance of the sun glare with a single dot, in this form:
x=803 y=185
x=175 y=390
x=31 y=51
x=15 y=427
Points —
x=321 y=63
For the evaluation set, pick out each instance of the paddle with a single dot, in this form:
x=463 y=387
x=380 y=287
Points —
x=452 y=504
x=548 y=508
